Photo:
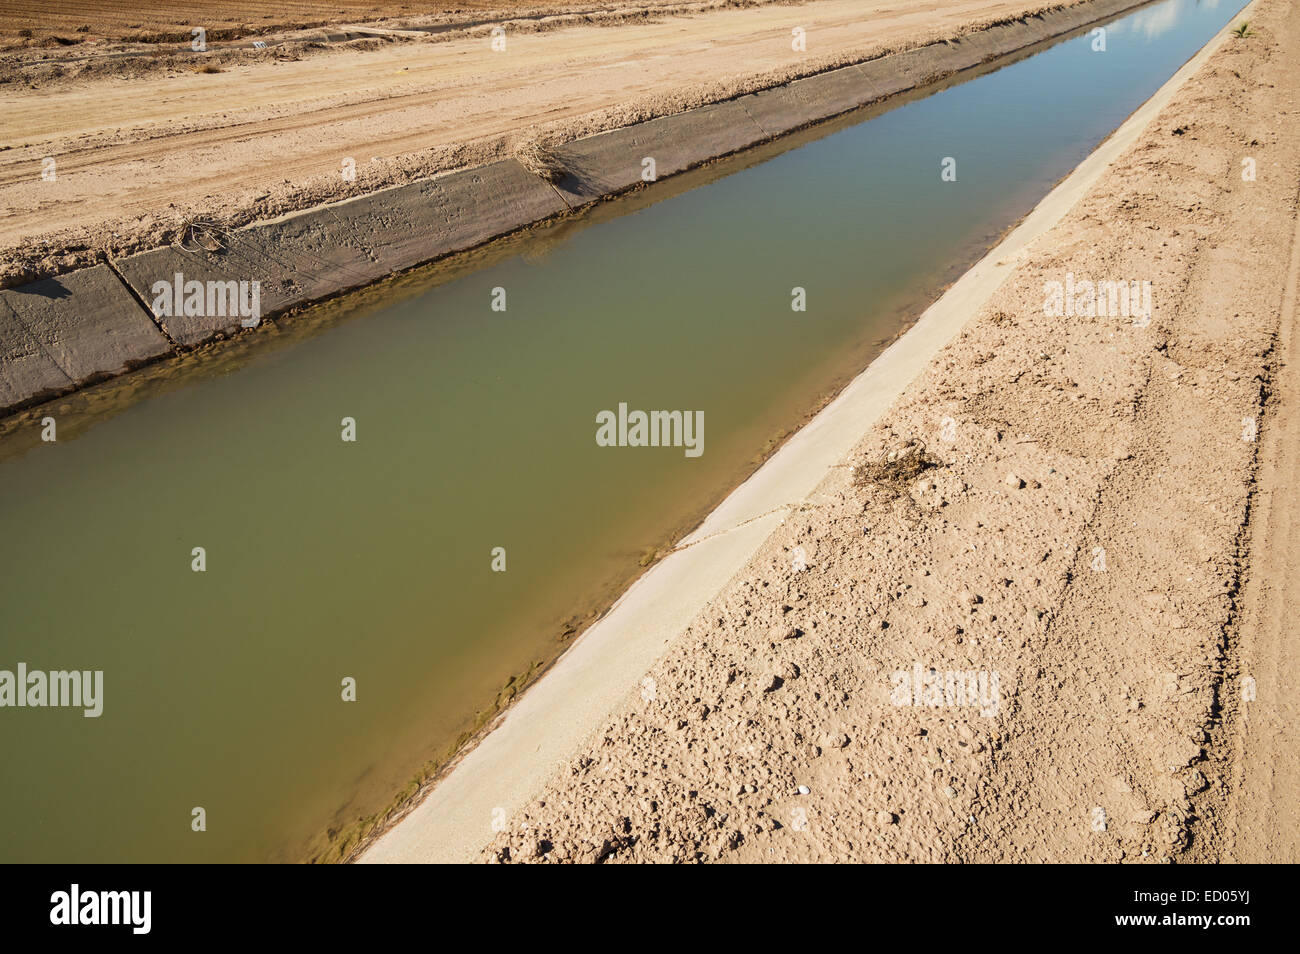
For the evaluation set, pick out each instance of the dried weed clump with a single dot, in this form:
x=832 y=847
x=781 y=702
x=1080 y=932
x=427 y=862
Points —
x=896 y=470
x=540 y=159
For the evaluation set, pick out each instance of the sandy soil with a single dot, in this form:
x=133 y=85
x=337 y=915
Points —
x=1088 y=520
x=137 y=151
x=84 y=26
x=1256 y=813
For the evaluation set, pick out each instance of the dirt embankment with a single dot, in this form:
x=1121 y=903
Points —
x=84 y=27
x=1034 y=634
x=114 y=163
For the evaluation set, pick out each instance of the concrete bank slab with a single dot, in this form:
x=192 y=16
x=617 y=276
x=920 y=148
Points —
x=783 y=109
x=612 y=162
x=413 y=224
x=829 y=94
x=561 y=710
x=60 y=333
x=318 y=253
x=294 y=261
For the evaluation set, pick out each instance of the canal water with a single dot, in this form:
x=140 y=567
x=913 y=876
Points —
x=373 y=560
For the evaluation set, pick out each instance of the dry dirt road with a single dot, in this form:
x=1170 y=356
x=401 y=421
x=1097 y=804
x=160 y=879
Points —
x=80 y=25
x=135 y=156
x=1258 y=819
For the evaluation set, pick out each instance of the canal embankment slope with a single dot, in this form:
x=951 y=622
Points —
x=141 y=293
x=998 y=602
x=141 y=145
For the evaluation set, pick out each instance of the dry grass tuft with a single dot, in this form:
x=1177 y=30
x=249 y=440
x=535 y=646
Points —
x=540 y=159
x=896 y=470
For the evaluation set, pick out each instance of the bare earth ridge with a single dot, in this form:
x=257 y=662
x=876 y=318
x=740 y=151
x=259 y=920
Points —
x=1102 y=546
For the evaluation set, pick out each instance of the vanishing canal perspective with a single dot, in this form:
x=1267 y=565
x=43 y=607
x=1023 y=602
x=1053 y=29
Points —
x=825 y=431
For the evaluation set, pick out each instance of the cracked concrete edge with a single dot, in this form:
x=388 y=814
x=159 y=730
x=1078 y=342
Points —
x=319 y=253
x=62 y=333
x=549 y=723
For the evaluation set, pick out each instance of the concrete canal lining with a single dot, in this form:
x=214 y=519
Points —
x=62 y=333
x=315 y=254
x=87 y=325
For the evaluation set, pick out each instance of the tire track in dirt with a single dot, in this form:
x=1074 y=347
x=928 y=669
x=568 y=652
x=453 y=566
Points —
x=1172 y=521
x=1252 y=816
